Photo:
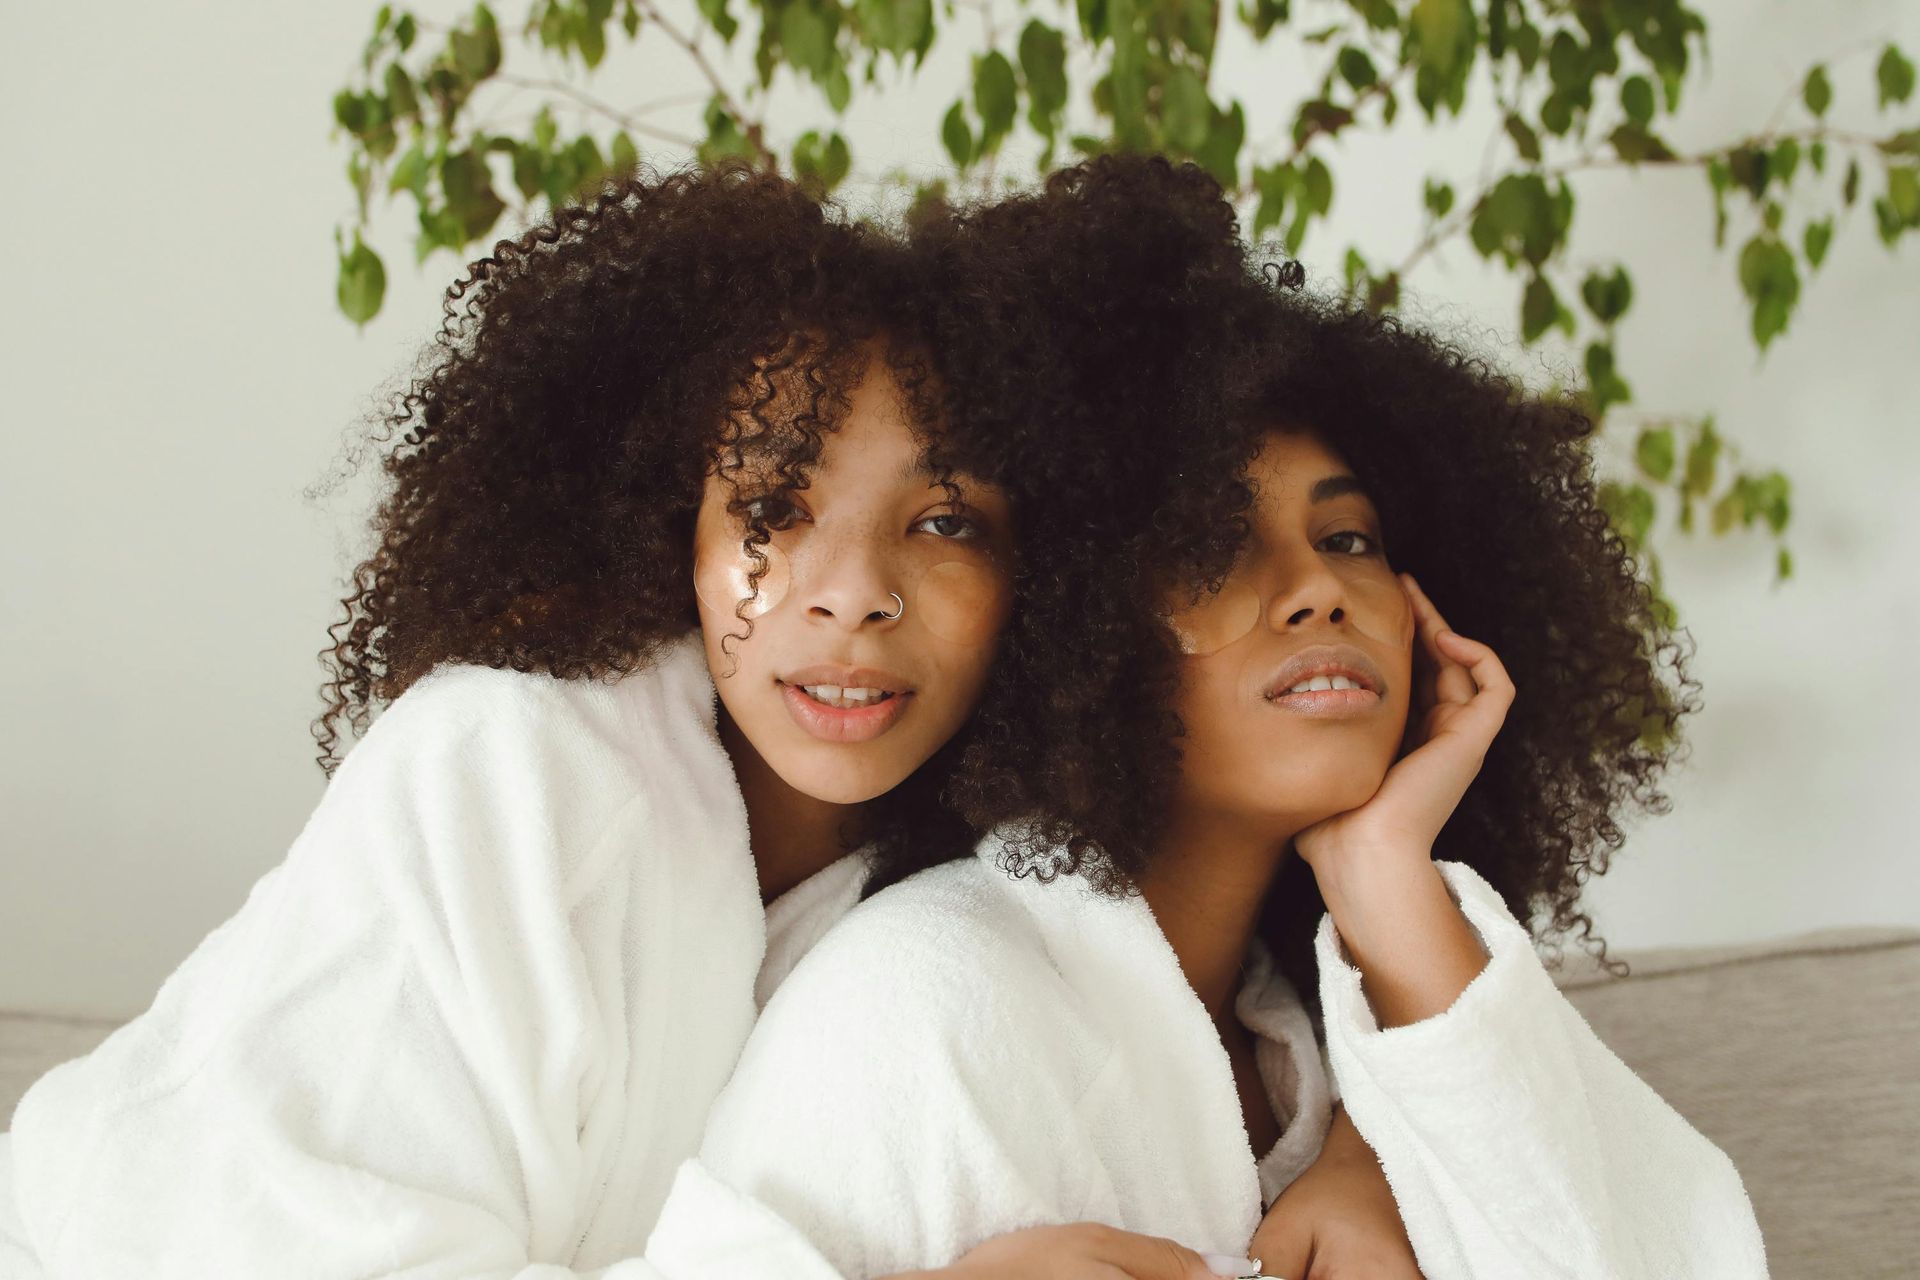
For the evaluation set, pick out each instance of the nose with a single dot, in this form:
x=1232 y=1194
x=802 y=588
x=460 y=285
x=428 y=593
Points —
x=1310 y=590
x=849 y=584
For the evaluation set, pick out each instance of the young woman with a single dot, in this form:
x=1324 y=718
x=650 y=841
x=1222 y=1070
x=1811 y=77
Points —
x=682 y=440
x=1244 y=747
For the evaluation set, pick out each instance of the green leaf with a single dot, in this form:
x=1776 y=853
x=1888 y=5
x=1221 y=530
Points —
x=820 y=164
x=1356 y=68
x=1438 y=197
x=723 y=22
x=1440 y=24
x=625 y=157
x=1768 y=276
x=1219 y=155
x=1634 y=145
x=1903 y=192
x=1631 y=509
x=1850 y=188
x=1043 y=61
x=401 y=100
x=1817 y=237
x=404 y=31
x=1901 y=144
x=1185 y=108
x=1636 y=98
x=1525 y=140
x=1783 y=565
x=529 y=170
x=1275 y=185
x=1317 y=184
x=470 y=197
x=362 y=283
x=349 y=111
x=957 y=138
x=1895 y=76
x=805 y=36
x=1654 y=451
x=1604 y=382
x=1817 y=93
x=1702 y=456
x=1786 y=159
x=1093 y=18
x=410 y=173
x=1538 y=309
x=993 y=97
x=1607 y=297
x=896 y=26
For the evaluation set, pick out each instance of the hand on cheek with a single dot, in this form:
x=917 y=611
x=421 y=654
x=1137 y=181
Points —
x=1373 y=864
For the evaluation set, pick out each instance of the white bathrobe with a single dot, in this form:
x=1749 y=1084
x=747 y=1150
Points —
x=966 y=1054
x=468 y=1028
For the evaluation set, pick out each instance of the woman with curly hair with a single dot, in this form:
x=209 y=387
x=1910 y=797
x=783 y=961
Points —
x=1246 y=779
x=677 y=441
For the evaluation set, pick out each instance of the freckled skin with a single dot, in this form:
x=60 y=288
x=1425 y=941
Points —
x=964 y=602
x=861 y=533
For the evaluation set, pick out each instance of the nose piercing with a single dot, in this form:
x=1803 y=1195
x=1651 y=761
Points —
x=900 y=607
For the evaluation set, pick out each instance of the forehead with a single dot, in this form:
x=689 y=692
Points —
x=1289 y=464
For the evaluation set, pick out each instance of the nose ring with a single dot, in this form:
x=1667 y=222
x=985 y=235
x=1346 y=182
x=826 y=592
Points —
x=900 y=607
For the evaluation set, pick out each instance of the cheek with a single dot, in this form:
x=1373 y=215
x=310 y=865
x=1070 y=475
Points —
x=722 y=576
x=1215 y=622
x=1381 y=611
x=963 y=603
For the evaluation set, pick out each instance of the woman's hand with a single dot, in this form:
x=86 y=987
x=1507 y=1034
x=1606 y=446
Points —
x=1338 y=1220
x=1460 y=699
x=1080 y=1251
x=1374 y=865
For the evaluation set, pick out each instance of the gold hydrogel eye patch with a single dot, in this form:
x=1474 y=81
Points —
x=723 y=568
x=1215 y=621
x=1380 y=609
x=961 y=601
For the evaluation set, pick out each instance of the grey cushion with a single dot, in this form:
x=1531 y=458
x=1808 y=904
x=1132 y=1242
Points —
x=1799 y=1058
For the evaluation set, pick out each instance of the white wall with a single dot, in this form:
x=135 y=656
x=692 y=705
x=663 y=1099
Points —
x=173 y=376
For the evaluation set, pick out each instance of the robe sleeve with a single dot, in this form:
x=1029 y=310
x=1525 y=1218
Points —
x=1516 y=1143
x=379 y=1065
x=909 y=1092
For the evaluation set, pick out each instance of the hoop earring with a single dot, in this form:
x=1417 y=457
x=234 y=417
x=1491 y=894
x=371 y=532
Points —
x=900 y=607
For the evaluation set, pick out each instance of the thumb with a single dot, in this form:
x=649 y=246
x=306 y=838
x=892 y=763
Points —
x=1157 y=1258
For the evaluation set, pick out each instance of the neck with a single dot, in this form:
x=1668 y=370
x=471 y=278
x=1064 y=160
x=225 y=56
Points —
x=1206 y=884
x=791 y=834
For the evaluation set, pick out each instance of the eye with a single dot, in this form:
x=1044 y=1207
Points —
x=953 y=525
x=775 y=511
x=1373 y=543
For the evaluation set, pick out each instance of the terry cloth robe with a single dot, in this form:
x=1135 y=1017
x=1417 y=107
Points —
x=469 y=1027
x=968 y=1053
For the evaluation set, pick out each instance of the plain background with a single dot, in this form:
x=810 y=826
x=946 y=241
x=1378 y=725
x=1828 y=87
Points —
x=174 y=379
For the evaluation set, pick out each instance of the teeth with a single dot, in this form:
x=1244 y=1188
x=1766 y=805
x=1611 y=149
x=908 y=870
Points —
x=1325 y=682
x=835 y=696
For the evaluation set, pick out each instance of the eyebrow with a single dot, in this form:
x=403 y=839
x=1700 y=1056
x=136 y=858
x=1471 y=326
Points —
x=1331 y=487
x=919 y=468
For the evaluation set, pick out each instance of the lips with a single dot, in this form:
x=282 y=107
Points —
x=1328 y=660
x=846 y=678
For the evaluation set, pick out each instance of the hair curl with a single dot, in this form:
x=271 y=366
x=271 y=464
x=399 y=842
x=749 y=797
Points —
x=546 y=462
x=1130 y=350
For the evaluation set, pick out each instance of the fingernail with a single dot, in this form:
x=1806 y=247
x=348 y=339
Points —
x=1222 y=1265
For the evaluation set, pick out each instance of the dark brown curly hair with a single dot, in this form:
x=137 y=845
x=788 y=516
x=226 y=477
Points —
x=1128 y=349
x=545 y=463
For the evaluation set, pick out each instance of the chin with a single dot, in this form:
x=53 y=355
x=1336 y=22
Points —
x=835 y=779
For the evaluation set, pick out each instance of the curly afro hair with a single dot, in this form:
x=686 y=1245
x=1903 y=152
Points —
x=1128 y=349
x=545 y=463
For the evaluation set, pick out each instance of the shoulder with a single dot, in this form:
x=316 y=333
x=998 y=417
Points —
x=516 y=725
x=945 y=970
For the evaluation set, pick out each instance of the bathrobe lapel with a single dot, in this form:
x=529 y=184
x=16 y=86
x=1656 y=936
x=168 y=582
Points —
x=1167 y=1055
